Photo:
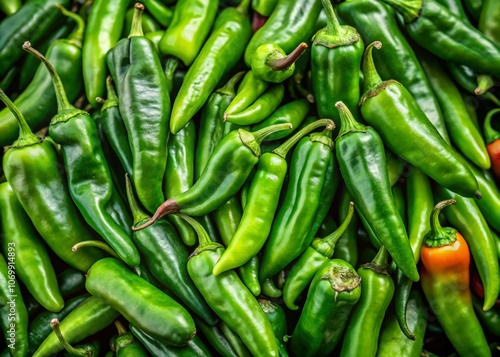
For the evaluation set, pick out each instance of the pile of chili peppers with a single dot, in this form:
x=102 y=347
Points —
x=250 y=178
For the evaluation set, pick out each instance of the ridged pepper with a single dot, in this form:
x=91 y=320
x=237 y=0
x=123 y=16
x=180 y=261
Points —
x=220 y=53
x=89 y=178
x=361 y=158
x=445 y=282
x=392 y=111
x=492 y=139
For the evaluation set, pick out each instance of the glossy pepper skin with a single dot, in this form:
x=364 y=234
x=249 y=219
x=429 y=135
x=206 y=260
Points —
x=220 y=53
x=89 y=349
x=33 y=21
x=216 y=338
x=228 y=297
x=437 y=29
x=347 y=245
x=377 y=290
x=226 y=171
x=276 y=316
x=334 y=291
x=292 y=20
x=104 y=29
x=14 y=316
x=33 y=263
x=463 y=132
x=391 y=110
x=466 y=217
x=9 y=8
x=89 y=177
x=445 y=282
x=46 y=198
x=376 y=21
x=492 y=138
x=361 y=158
x=126 y=345
x=166 y=257
x=488 y=21
x=88 y=318
x=188 y=30
x=66 y=56
x=140 y=302
x=261 y=206
x=336 y=55
x=264 y=7
x=307 y=265
x=144 y=104
x=489 y=319
x=249 y=90
x=290 y=235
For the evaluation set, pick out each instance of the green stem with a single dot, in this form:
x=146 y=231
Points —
x=261 y=134
x=77 y=36
x=490 y=134
x=26 y=136
x=410 y=9
x=490 y=96
x=372 y=78
x=120 y=328
x=279 y=64
x=230 y=87
x=137 y=212
x=244 y=6
x=96 y=244
x=136 y=27
x=347 y=122
x=54 y=324
x=283 y=149
x=439 y=236
x=62 y=99
x=333 y=27
x=484 y=83
x=203 y=238
x=382 y=258
x=112 y=100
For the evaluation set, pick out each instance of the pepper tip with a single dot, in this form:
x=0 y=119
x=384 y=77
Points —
x=478 y=195
x=139 y=6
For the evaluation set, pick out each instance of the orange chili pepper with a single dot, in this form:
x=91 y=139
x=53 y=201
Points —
x=492 y=138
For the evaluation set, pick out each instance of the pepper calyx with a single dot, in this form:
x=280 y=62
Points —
x=375 y=91
x=341 y=278
x=439 y=236
x=410 y=9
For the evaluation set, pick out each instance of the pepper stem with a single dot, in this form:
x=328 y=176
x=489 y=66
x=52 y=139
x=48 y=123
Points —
x=112 y=100
x=137 y=212
x=203 y=237
x=26 y=136
x=120 y=328
x=382 y=258
x=54 y=324
x=136 y=27
x=62 y=99
x=439 y=236
x=490 y=134
x=76 y=36
x=244 y=6
x=326 y=246
x=261 y=134
x=410 y=9
x=372 y=78
x=230 y=87
x=283 y=149
x=96 y=244
x=279 y=64
x=333 y=27
x=347 y=122
x=484 y=83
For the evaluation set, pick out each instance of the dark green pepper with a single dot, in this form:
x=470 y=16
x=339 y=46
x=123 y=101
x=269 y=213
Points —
x=126 y=345
x=347 y=245
x=216 y=338
x=276 y=316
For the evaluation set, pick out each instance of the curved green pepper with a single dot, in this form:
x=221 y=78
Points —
x=264 y=7
x=125 y=344
x=490 y=319
x=216 y=338
x=276 y=316
x=334 y=291
x=249 y=90
x=91 y=349
x=347 y=245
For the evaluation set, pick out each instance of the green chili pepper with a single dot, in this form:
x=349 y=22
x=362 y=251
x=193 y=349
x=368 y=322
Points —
x=366 y=319
x=152 y=310
x=227 y=217
x=393 y=342
x=85 y=350
x=291 y=233
x=235 y=341
x=144 y=104
x=347 y=245
x=445 y=282
x=397 y=60
x=466 y=217
x=33 y=263
x=264 y=7
x=497 y=241
x=303 y=270
x=13 y=313
x=219 y=55
x=292 y=20
x=429 y=24
x=32 y=170
x=10 y=7
x=39 y=327
x=335 y=61
x=166 y=258
x=188 y=30
x=390 y=109
x=89 y=178
x=260 y=109
x=249 y=90
x=492 y=138
x=276 y=316
x=490 y=319
x=474 y=7
x=159 y=11
x=228 y=297
x=231 y=162
x=464 y=133
x=155 y=37
x=216 y=338
x=88 y=318
x=249 y=274
x=262 y=203
x=8 y=79
x=65 y=54
x=333 y=293
x=292 y=113
x=125 y=343
x=149 y=24
x=361 y=159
